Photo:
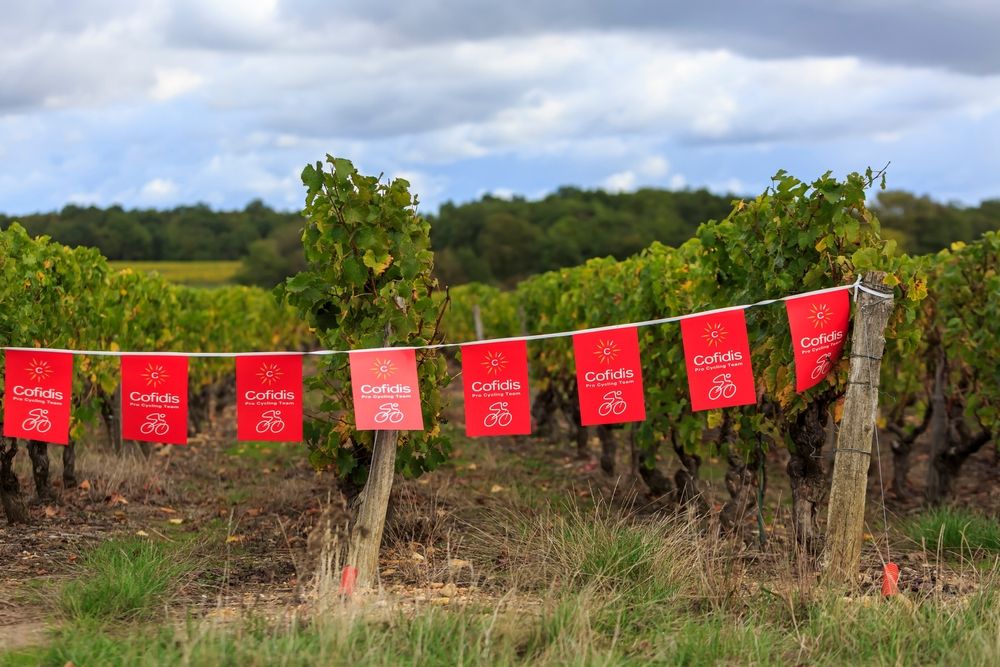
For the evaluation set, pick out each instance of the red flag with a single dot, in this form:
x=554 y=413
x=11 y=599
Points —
x=37 y=391
x=495 y=380
x=819 y=330
x=154 y=398
x=717 y=356
x=269 y=398
x=609 y=376
x=386 y=391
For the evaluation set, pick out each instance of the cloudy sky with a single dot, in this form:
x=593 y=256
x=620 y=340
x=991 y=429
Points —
x=155 y=103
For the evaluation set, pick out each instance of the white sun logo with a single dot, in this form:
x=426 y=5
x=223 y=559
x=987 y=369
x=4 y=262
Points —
x=269 y=374
x=494 y=363
x=383 y=368
x=606 y=351
x=715 y=334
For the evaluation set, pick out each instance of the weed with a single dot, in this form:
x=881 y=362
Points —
x=124 y=580
x=953 y=529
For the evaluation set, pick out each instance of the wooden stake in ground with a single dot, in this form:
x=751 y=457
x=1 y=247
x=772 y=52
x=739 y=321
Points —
x=846 y=517
x=477 y=321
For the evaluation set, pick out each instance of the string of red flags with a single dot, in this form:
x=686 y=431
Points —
x=385 y=387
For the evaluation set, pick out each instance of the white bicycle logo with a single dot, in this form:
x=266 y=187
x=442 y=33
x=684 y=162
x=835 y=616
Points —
x=271 y=421
x=388 y=412
x=823 y=366
x=499 y=415
x=613 y=404
x=37 y=421
x=155 y=424
x=724 y=387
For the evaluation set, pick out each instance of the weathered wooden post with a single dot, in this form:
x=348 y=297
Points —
x=477 y=321
x=846 y=517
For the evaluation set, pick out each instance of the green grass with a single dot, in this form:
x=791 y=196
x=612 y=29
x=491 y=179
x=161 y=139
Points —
x=124 y=580
x=583 y=585
x=209 y=273
x=933 y=632
x=951 y=529
x=576 y=628
x=238 y=495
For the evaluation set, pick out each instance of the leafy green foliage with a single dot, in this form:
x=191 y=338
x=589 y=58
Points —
x=954 y=353
x=797 y=237
x=966 y=289
x=497 y=311
x=794 y=237
x=55 y=296
x=369 y=285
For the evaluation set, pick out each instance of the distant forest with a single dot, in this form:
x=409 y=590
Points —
x=496 y=241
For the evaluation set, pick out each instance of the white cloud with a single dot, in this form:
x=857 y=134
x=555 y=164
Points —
x=568 y=100
x=623 y=181
x=174 y=82
x=655 y=166
x=732 y=185
x=158 y=189
x=503 y=193
x=649 y=171
x=887 y=137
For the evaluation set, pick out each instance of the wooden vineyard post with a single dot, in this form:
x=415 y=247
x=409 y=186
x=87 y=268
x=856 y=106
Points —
x=846 y=517
x=477 y=321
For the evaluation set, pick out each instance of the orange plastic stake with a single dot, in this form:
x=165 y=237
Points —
x=347 y=579
x=890 y=579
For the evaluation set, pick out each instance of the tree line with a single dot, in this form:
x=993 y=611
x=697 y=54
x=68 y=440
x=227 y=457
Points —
x=492 y=240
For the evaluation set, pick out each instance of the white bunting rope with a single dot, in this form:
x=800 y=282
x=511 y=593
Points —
x=857 y=287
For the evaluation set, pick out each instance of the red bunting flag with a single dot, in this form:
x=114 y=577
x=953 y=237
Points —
x=155 y=398
x=386 y=391
x=495 y=381
x=609 y=376
x=269 y=398
x=717 y=356
x=37 y=392
x=819 y=330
